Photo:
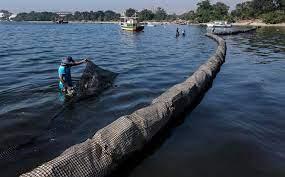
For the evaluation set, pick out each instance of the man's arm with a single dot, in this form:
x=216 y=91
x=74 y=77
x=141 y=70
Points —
x=80 y=62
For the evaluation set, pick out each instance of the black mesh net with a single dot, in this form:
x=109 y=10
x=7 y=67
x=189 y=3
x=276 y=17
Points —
x=93 y=81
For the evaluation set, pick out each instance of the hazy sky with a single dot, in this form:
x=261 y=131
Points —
x=177 y=6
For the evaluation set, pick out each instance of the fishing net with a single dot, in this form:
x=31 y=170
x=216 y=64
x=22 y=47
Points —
x=93 y=81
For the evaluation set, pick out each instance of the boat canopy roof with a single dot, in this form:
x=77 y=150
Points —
x=132 y=17
x=223 y=22
x=129 y=17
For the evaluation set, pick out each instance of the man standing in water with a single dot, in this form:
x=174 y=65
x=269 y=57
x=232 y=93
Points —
x=183 y=33
x=65 y=80
x=213 y=29
x=177 y=32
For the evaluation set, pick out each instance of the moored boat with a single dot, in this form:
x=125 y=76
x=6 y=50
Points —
x=151 y=24
x=61 y=22
x=219 y=24
x=131 y=23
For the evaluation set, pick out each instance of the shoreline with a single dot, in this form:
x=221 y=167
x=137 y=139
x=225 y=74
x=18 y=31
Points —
x=240 y=23
x=251 y=24
x=69 y=22
x=258 y=24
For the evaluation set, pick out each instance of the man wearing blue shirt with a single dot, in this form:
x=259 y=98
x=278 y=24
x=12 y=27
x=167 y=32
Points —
x=65 y=80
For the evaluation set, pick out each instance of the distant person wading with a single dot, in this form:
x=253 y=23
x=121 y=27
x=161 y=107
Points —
x=183 y=33
x=177 y=32
x=64 y=73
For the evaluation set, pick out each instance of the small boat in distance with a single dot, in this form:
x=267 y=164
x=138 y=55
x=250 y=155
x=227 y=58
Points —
x=151 y=24
x=131 y=23
x=61 y=22
x=219 y=24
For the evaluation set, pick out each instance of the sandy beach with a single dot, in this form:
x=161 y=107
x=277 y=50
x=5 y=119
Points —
x=256 y=23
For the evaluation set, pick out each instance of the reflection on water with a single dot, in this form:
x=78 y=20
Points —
x=268 y=45
x=239 y=128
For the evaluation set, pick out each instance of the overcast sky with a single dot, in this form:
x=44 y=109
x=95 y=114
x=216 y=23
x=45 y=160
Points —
x=177 y=6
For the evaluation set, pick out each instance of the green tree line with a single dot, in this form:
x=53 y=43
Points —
x=147 y=15
x=36 y=16
x=270 y=11
x=77 y=16
x=159 y=14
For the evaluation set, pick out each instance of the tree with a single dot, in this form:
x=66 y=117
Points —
x=110 y=15
x=69 y=17
x=244 y=11
x=171 y=17
x=86 y=16
x=204 y=5
x=204 y=11
x=274 y=17
x=77 y=16
x=207 y=12
x=160 y=14
x=130 y=12
x=188 y=16
x=264 y=6
x=220 y=11
x=100 y=15
x=36 y=16
x=146 y=15
x=270 y=11
x=282 y=4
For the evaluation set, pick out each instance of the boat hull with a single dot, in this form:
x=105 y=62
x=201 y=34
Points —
x=61 y=22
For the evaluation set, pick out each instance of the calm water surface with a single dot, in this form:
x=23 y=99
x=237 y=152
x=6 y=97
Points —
x=148 y=63
x=238 y=130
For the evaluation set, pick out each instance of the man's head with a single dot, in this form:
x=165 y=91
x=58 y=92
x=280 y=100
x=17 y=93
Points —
x=67 y=61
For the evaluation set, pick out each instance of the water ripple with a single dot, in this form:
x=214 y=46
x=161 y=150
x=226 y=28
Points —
x=148 y=63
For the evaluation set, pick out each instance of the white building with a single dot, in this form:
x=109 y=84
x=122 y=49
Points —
x=1 y=15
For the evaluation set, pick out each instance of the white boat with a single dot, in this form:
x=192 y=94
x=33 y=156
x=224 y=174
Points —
x=151 y=25
x=131 y=23
x=1 y=16
x=12 y=17
x=219 y=24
